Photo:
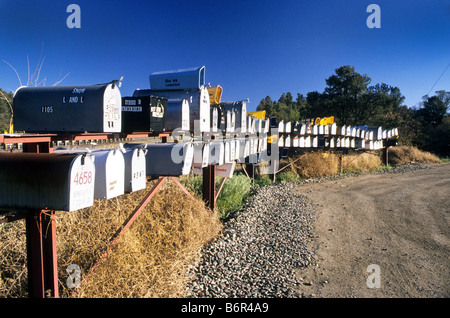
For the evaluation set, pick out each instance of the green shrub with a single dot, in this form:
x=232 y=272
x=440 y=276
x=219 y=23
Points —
x=263 y=180
x=288 y=175
x=233 y=195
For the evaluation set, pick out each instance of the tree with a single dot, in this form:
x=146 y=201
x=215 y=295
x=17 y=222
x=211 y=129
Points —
x=344 y=91
x=5 y=110
x=350 y=98
x=434 y=108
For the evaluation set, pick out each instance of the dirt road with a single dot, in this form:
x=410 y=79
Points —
x=381 y=236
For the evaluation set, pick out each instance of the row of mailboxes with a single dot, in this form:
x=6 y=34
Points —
x=227 y=151
x=70 y=179
x=332 y=142
x=118 y=170
x=364 y=132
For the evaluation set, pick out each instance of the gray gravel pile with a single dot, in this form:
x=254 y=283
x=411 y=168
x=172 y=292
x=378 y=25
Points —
x=259 y=250
x=263 y=245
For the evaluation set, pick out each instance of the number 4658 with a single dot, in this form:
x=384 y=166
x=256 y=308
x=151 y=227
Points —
x=83 y=178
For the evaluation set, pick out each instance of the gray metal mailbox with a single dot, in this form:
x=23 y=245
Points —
x=177 y=115
x=62 y=182
x=239 y=108
x=167 y=159
x=180 y=79
x=198 y=100
x=83 y=108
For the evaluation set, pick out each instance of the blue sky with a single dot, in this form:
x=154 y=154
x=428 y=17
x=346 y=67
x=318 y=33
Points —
x=253 y=49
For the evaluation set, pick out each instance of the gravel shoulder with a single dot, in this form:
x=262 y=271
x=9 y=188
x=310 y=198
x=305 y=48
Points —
x=317 y=239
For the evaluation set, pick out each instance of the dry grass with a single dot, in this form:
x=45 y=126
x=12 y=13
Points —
x=406 y=154
x=362 y=162
x=149 y=260
x=316 y=164
x=13 y=256
x=322 y=164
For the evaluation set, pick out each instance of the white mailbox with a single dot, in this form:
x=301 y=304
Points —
x=301 y=141
x=281 y=126
x=216 y=153
x=109 y=173
x=135 y=169
x=281 y=141
x=201 y=155
x=295 y=141
x=307 y=141
x=315 y=142
x=247 y=148
x=321 y=130
x=251 y=128
x=332 y=142
x=302 y=129
x=237 y=149
x=227 y=154
x=214 y=118
x=243 y=149
x=56 y=181
x=287 y=141
x=348 y=131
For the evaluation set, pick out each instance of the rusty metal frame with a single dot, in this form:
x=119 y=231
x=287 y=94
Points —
x=220 y=188
x=288 y=165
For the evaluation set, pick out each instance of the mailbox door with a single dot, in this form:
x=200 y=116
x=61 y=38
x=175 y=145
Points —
x=81 y=183
x=135 y=170
x=110 y=173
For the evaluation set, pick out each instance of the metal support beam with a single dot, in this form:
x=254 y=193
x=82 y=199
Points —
x=50 y=255
x=220 y=188
x=41 y=253
x=41 y=239
x=386 y=155
x=249 y=169
x=35 y=258
x=209 y=186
